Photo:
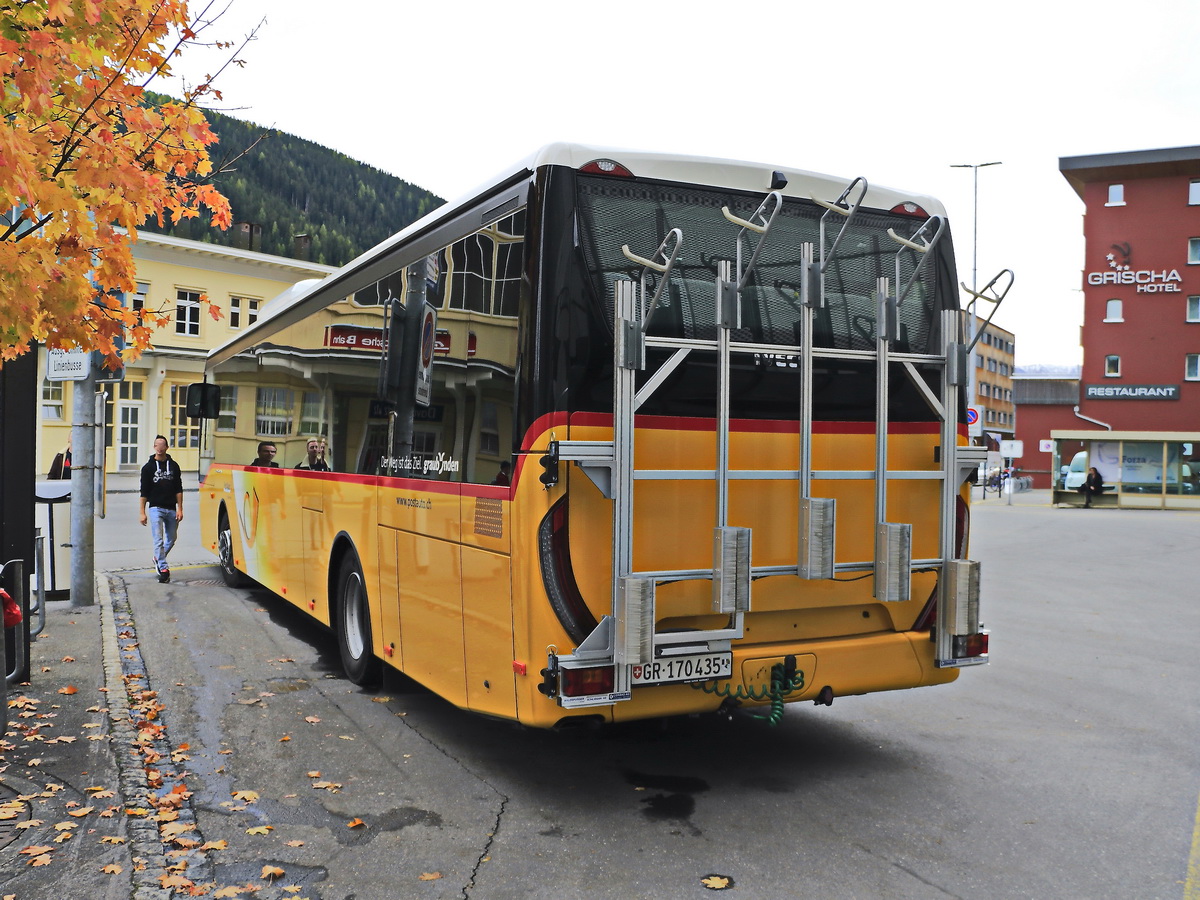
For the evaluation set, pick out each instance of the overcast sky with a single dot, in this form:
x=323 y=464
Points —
x=446 y=94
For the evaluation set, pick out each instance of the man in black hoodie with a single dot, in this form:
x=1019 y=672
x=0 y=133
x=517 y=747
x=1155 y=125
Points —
x=162 y=492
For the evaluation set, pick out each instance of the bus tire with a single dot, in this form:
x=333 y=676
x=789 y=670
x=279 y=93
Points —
x=353 y=625
x=229 y=572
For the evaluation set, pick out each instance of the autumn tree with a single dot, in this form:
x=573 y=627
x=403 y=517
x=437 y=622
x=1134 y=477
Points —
x=85 y=158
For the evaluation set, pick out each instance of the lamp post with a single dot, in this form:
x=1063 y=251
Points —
x=972 y=397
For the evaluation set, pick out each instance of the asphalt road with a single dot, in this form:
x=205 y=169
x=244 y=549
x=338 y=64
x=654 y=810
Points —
x=1067 y=768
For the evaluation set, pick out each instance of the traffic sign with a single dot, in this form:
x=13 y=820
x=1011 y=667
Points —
x=67 y=365
x=425 y=363
x=1012 y=449
x=972 y=416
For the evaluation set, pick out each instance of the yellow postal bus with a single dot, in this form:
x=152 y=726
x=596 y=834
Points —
x=620 y=435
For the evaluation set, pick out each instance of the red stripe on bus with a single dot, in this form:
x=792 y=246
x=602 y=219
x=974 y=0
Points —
x=754 y=426
x=464 y=489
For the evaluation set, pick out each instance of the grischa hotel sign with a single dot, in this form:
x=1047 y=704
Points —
x=1145 y=281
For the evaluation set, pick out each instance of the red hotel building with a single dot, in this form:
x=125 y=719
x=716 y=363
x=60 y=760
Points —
x=1141 y=324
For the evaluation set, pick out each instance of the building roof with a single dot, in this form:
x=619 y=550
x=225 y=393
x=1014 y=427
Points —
x=233 y=260
x=1115 y=167
x=1045 y=391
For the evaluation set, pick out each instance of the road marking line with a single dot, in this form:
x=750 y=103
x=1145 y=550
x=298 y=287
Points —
x=1191 y=888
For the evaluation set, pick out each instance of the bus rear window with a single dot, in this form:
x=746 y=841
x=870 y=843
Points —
x=614 y=212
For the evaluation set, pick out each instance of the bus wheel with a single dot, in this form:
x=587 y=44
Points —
x=353 y=622
x=229 y=571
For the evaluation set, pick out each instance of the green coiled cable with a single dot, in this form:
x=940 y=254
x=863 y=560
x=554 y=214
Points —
x=776 y=692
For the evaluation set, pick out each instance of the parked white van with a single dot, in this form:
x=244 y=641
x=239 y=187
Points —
x=1075 y=474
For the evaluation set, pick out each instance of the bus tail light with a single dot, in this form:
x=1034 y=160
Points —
x=967 y=646
x=589 y=681
x=605 y=167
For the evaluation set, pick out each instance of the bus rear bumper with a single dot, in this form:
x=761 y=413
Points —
x=831 y=668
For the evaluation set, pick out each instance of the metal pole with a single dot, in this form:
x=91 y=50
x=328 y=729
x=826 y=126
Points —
x=83 y=497
x=972 y=395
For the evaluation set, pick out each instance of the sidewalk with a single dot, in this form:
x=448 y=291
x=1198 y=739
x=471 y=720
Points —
x=86 y=794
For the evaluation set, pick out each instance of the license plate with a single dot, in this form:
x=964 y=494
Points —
x=694 y=667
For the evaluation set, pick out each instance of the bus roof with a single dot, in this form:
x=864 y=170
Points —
x=298 y=301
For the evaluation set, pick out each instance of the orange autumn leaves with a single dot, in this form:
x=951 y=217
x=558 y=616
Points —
x=85 y=159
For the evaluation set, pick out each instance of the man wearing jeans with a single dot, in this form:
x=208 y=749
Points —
x=162 y=492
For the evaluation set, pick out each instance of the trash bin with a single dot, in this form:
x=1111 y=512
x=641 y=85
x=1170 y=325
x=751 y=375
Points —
x=52 y=501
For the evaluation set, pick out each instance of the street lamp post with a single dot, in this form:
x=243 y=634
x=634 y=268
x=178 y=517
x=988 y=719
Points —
x=975 y=167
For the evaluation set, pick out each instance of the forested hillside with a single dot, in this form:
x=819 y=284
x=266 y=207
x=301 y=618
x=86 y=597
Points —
x=289 y=186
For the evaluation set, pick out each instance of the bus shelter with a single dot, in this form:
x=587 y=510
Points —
x=1141 y=469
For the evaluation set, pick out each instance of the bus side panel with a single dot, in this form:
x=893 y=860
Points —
x=385 y=630
x=333 y=506
x=431 y=613
x=268 y=531
x=419 y=583
x=487 y=599
x=488 y=632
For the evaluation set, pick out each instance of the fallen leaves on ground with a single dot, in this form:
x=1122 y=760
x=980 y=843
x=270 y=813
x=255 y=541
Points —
x=716 y=882
x=270 y=873
x=112 y=869
x=429 y=876
x=355 y=823
x=260 y=829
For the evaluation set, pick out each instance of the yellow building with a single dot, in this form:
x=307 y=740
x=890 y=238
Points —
x=172 y=276
x=994 y=362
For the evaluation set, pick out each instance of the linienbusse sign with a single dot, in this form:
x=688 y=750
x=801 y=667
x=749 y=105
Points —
x=67 y=365
x=1131 y=391
x=1147 y=280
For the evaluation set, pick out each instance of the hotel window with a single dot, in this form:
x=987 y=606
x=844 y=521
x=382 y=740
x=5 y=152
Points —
x=239 y=306
x=139 y=299
x=489 y=429
x=1194 y=192
x=184 y=433
x=187 y=313
x=1191 y=368
x=1113 y=311
x=1116 y=195
x=227 y=420
x=1112 y=366
x=1193 y=251
x=311 y=418
x=273 y=412
x=52 y=399
x=1193 y=309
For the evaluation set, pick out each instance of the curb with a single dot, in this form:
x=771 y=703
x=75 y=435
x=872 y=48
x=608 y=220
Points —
x=124 y=672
